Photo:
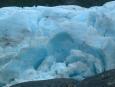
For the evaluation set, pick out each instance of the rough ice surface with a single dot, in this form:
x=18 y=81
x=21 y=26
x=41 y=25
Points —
x=38 y=43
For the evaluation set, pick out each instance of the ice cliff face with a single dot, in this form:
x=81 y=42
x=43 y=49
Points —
x=51 y=42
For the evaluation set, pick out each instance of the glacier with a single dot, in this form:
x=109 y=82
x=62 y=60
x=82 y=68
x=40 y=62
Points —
x=38 y=43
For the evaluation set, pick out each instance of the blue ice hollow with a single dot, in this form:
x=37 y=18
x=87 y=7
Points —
x=38 y=43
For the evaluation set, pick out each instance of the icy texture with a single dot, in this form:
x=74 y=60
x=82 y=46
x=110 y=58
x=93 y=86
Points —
x=39 y=43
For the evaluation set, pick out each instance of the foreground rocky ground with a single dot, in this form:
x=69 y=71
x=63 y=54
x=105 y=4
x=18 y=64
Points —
x=106 y=79
x=62 y=82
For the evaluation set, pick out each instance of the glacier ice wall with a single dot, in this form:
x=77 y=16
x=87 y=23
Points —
x=39 y=43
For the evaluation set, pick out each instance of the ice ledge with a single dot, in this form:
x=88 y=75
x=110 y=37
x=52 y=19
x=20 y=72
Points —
x=50 y=42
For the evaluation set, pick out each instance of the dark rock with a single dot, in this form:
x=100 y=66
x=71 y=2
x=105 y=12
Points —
x=87 y=3
x=63 y=82
x=106 y=79
x=84 y=3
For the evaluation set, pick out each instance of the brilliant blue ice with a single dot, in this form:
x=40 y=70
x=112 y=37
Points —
x=38 y=43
